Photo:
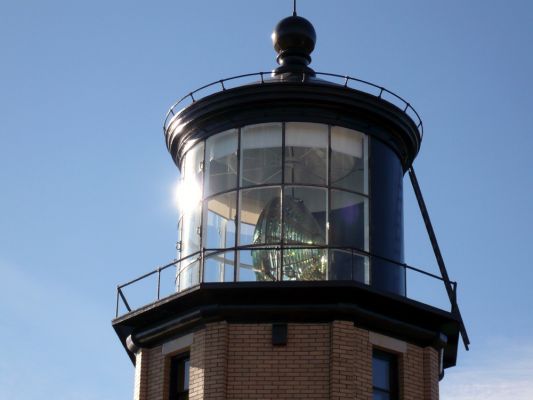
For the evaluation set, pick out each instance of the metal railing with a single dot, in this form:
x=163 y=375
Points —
x=261 y=77
x=122 y=298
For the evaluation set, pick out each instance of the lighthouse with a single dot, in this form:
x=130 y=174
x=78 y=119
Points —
x=290 y=280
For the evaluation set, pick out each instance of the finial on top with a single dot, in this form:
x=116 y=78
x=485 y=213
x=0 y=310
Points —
x=294 y=40
x=294 y=8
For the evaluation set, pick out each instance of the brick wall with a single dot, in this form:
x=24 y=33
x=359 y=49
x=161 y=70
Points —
x=319 y=361
x=209 y=363
x=141 y=370
x=415 y=379
x=197 y=363
x=258 y=370
x=350 y=372
x=431 y=374
x=157 y=375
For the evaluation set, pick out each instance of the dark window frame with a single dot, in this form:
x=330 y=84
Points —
x=178 y=373
x=392 y=360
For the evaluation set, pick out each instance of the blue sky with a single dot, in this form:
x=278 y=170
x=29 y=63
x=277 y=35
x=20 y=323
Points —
x=86 y=183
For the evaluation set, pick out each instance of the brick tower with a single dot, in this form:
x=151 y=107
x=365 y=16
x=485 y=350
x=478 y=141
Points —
x=290 y=281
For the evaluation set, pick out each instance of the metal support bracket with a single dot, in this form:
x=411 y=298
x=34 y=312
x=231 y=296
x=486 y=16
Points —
x=438 y=255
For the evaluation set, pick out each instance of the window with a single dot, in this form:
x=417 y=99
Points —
x=384 y=376
x=179 y=377
x=261 y=155
x=221 y=162
x=306 y=153
x=275 y=201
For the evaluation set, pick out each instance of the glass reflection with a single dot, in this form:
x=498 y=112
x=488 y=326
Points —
x=347 y=160
x=188 y=274
x=259 y=265
x=191 y=227
x=347 y=219
x=219 y=267
x=219 y=222
x=221 y=162
x=348 y=265
x=192 y=164
x=190 y=196
x=261 y=154
x=306 y=155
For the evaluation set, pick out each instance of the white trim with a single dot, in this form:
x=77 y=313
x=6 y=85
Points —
x=388 y=343
x=175 y=345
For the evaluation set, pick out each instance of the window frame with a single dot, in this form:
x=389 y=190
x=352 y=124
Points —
x=178 y=371
x=392 y=360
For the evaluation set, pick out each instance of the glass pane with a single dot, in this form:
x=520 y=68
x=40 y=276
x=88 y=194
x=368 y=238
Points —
x=304 y=223
x=190 y=238
x=188 y=274
x=304 y=264
x=190 y=186
x=192 y=164
x=180 y=235
x=348 y=159
x=343 y=265
x=260 y=216
x=347 y=219
x=259 y=265
x=378 y=395
x=306 y=155
x=186 y=372
x=381 y=373
x=219 y=267
x=304 y=215
x=221 y=162
x=189 y=196
x=261 y=154
x=219 y=225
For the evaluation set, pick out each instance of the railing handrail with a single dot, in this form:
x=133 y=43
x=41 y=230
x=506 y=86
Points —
x=173 y=110
x=214 y=251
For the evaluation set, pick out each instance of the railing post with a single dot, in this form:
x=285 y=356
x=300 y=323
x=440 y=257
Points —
x=405 y=281
x=201 y=262
x=116 y=309
x=178 y=277
x=353 y=266
x=158 y=283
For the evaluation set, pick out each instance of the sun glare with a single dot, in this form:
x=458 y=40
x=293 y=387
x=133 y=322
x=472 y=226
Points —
x=188 y=195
